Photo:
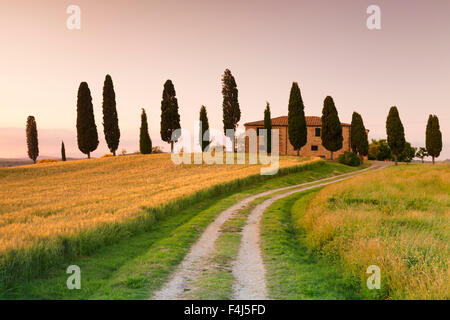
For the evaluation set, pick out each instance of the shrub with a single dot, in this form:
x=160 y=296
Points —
x=379 y=150
x=350 y=159
x=47 y=161
x=108 y=155
x=157 y=149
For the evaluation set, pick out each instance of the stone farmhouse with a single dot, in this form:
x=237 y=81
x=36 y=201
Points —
x=313 y=145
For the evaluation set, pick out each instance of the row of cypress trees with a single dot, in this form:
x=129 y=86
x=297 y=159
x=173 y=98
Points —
x=396 y=135
x=331 y=133
x=87 y=136
x=170 y=117
x=331 y=126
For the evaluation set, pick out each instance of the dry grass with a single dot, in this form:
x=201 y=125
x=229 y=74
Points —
x=397 y=219
x=42 y=161
x=62 y=198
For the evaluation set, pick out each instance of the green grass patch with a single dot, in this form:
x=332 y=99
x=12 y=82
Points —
x=292 y=271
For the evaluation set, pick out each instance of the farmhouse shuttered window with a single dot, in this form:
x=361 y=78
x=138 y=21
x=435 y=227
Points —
x=317 y=131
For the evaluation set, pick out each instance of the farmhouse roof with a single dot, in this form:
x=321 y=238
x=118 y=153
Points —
x=312 y=121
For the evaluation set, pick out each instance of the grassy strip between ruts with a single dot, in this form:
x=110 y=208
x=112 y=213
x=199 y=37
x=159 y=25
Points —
x=216 y=281
x=292 y=272
x=151 y=256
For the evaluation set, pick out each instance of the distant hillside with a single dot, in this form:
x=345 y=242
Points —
x=4 y=162
x=13 y=162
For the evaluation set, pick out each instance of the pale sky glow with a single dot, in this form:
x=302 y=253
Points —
x=323 y=45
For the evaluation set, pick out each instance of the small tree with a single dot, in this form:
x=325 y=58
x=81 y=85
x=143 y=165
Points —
x=86 y=129
x=374 y=149
x=170 y=118
x=384 y=152
x=358 y=136
x=433 y=137
x=230 y=105
x=407 y=154
x=63 y=152
x=395 y=133
x=110 y=119
x=204 y=129
x=422 y=153
x=145 y=143
x=268 y=127
x=331 y=127
x=296 y=119
x=32 y=139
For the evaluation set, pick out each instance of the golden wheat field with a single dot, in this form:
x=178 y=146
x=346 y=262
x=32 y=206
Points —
x=41 y=201
x=397 y=219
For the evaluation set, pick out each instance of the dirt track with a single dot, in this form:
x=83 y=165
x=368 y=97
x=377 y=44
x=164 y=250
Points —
x=248 y=269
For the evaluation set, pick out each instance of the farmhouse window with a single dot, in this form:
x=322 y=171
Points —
x=314 y=148
x=317 y=132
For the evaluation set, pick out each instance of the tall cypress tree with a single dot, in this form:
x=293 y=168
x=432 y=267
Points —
x=145 y=143
x=170 y=118
x=110 y=119
x=63 y=152
x=230 y=105
x=358 y=136
x=433 y=137
x=296 y=119
x=331 y=127
x=268 y=127
x=86 y=129
x=204 y=132
x=395 y=133
x=32 y=139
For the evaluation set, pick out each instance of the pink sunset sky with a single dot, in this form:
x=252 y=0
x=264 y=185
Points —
x=323 y=45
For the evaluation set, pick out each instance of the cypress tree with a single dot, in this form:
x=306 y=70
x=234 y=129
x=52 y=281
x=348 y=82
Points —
x=110 y=119
x=358 y=136
x=32 y=139
x=203 y=135
x=433 y=137
x=230 y=105
x=86 y=129
x=170 y=118
x=331 y=127
x=63 y=152
x=296 y=119
x=268 y=127
x=395 y=133
x=145 y=143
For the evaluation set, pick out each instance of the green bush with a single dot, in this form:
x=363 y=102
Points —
x=350 y=159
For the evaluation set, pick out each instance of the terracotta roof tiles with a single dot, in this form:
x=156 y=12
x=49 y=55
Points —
x=283 y=121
